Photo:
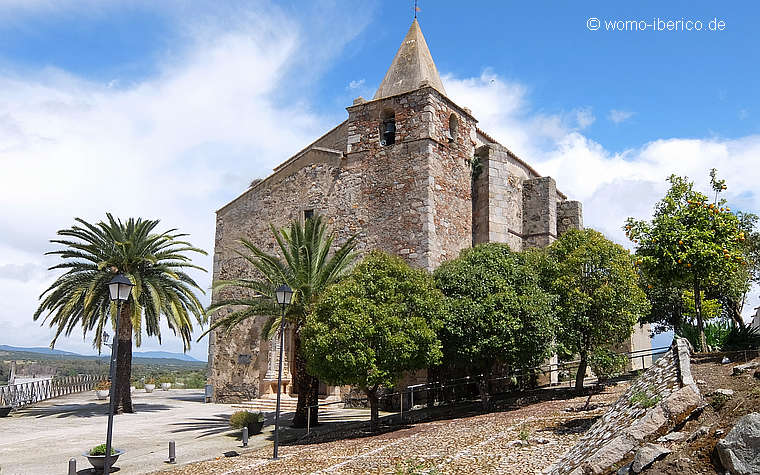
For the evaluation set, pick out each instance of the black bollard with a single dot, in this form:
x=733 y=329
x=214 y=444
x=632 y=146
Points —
x=72 y=466
x=245 y=436
x=172 y=452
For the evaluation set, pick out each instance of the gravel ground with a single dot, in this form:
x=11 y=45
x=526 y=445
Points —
x=524 y=436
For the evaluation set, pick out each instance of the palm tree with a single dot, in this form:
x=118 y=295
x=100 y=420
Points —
x=308 y=268
x=153 y=262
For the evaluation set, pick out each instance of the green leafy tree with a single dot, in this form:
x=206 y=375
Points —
x=307 y=266
x=154 y=262
x=496 y=311
x=692 y=244
x=374 y=325
x=600 y=298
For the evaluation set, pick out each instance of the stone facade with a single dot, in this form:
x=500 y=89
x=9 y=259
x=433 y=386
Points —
x=410 y=192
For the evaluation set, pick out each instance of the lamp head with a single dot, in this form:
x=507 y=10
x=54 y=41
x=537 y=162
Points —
x=284 y=294
x=120 y=287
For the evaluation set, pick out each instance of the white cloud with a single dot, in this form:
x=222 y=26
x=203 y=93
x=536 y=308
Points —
x=612 y=186
x=175 y=146
x=584 y=117
x=356 y=84
x=618 y=116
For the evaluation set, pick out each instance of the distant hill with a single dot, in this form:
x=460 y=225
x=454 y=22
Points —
x=165 y=354
x=44 y=351
x=135 y=355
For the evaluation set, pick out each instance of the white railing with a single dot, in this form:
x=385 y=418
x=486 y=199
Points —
x=23 y=394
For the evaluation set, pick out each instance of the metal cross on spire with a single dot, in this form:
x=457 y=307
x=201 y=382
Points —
x=416 y=9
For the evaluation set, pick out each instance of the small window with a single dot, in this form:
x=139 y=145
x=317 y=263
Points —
x=308 y=214
x=453 y=128
x=388 y=128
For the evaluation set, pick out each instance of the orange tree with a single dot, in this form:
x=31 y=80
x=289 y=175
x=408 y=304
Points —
x=692 y=243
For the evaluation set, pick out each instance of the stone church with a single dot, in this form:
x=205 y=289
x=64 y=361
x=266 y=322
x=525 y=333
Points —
x=410 y=173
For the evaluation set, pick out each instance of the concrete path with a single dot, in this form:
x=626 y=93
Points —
x=41 y=439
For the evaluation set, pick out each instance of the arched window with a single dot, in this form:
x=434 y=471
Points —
x=453 y=128
x=388 y=128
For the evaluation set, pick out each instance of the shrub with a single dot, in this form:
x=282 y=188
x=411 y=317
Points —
x=742 y=338
x=102 y=386
x=644 y=400
x=241 y=419
x=101 y=450
x=607 y=364
x=150 y=381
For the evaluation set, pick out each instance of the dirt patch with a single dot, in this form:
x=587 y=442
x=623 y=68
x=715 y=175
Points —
x=696 y=454
x=523 y=436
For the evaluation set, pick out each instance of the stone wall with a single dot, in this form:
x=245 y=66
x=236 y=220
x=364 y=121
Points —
x=660 y=399
x=417 y=192
x=569 y=216
x=411 y=199
x=539 y=211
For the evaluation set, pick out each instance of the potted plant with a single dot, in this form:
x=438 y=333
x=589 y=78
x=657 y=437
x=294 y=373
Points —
x=166 y=384
x=253 y=420
x=97 y=456
x=103 y=389
x=150 y=385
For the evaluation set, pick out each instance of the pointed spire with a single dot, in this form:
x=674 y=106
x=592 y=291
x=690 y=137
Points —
x=412 y=66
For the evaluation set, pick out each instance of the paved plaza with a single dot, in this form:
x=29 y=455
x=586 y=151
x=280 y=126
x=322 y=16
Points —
x=42 y=438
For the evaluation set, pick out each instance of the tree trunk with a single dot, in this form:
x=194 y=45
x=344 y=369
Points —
x=123 y=395
x=485 y=396
x=305 y=385
x=374 y=403
x=581 y=374
x=698 y=311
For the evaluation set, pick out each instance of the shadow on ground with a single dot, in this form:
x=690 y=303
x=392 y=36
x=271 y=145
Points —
x=84 y=410
x=217 y=424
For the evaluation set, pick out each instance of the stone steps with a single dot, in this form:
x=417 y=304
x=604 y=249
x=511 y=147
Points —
x=287 y=404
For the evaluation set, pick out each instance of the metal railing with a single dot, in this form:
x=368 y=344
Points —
x=23 y=394
x=445 y=391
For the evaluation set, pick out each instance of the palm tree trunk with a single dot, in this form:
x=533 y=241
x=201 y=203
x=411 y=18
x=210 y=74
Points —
x=305 y=385
x=124 y=362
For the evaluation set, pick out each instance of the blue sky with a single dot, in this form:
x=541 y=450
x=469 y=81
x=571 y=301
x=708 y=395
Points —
x=198 y=98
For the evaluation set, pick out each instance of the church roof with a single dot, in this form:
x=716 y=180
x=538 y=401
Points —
x=411 y=66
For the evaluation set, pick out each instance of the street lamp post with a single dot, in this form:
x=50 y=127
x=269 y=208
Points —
x=119 y=287
x=283 y=294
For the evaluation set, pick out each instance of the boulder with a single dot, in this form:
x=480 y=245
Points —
x=647 y=455
x=724 y=392
x=743 y=368
x=739 y=452
x=680 y=404
x=610 y=454
x=672 y=437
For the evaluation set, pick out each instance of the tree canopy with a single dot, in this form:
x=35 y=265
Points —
x=374 y=325
x=496 y=310
x=693 y=244
x=155 y=262
x=308 y=265
x=600 y=298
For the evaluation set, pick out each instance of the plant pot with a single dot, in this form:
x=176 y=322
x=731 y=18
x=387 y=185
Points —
x=131 y=389
x=98 y=462
x=102 y=393
x=5 y=410
x=255 y=427
x=149 y=388
x=166 y=386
